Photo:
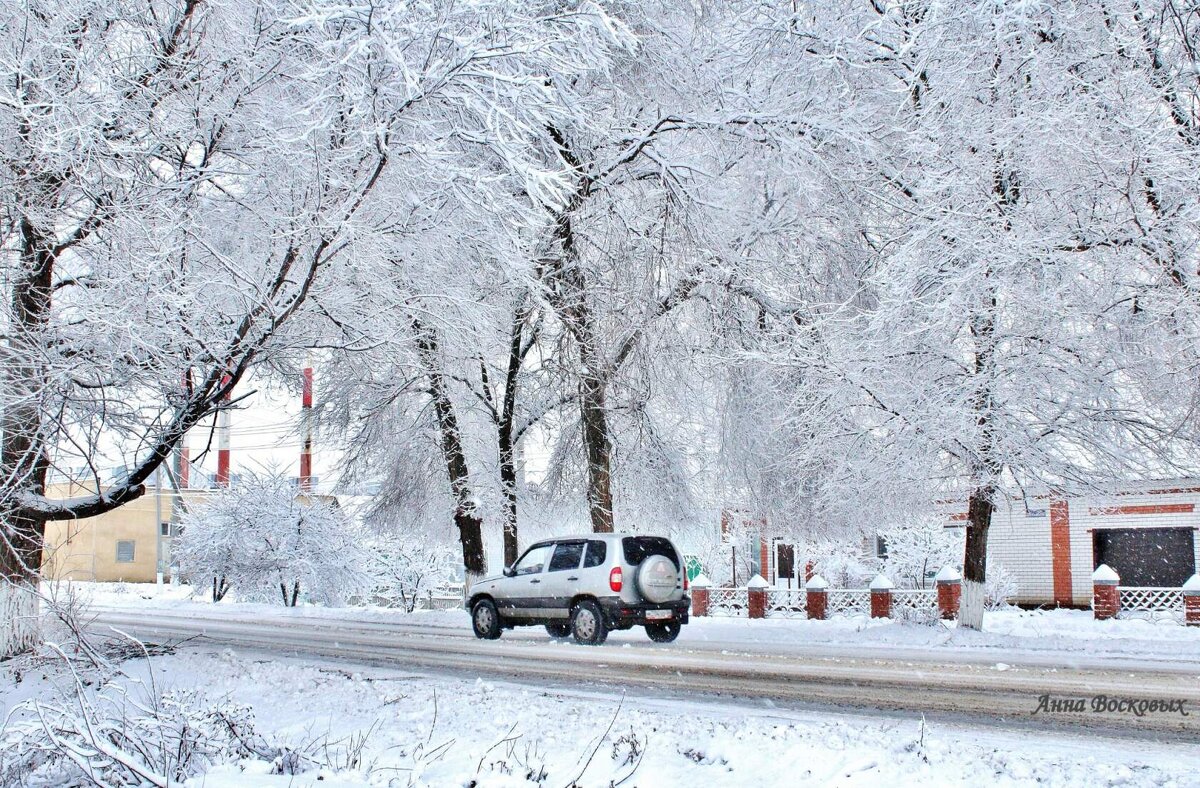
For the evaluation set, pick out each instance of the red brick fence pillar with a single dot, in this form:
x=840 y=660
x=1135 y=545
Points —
x=1106 y=600
x=816 y=598
x=881 y=597
x=949 y=591
x=1191 y=601
x=756 y=597
x=700 y=595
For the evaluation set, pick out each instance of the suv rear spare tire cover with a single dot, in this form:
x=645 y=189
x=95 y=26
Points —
x=657 y=578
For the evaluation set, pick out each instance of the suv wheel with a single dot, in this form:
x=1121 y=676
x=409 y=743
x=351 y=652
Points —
x=587 y=624
x=559 y=630
x=664 y=632
x=485 y=620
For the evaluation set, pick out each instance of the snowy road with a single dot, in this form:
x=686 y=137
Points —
x=946 y=684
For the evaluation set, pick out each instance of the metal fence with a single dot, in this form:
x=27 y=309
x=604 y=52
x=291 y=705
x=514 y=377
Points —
x=1150 y=603
x=915 y=604
x=728 y=602
x=786 y=603
x=848 y=602
x=918 y=605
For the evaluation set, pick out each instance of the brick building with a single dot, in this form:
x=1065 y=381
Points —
x=1146 y=532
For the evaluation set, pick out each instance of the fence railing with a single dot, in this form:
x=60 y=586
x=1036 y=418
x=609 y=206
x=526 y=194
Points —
x=907 y=604
x=1150 y=602
x=848 y=602
x=786 y=603
x=915 y=604
x=728 y=602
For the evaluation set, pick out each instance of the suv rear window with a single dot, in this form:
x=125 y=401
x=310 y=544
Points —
x=638 y=548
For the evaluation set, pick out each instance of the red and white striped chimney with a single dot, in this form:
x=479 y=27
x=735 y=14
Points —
x=185 y=463
x=306 y=445
x=223 y=429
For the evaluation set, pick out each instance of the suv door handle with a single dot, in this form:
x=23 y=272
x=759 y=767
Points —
x=535 y=581
x=572 y=578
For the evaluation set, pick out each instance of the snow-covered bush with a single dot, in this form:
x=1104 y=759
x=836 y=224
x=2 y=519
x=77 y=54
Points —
x=271 y=543
x=403 y=570
x=999 y=588
x=126 y=732
x=843 y=563
x=917 y=548
x=111 y=737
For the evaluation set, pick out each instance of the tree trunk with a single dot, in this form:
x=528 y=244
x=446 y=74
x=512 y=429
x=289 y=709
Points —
x=979 y=519
x=568 y=294
x=466 y=519
x=598 y=446
x=506 y=438
x=21 y=613
x=23 y=459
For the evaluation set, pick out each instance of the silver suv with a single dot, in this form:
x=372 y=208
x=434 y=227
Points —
x=585 y=586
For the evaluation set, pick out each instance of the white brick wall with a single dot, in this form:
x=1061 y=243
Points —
x=1086 y=516
x=1020 y=542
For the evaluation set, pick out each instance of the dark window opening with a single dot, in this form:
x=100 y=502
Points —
x=785 y=560
x=125 y=552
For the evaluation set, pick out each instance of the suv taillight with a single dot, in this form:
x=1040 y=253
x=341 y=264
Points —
x=685 y=582
x=614 y=578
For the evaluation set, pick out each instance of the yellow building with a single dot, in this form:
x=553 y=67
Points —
x=127 y=544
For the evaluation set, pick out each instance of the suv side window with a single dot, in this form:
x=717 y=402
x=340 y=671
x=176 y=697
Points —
x=566 y=556
x=597 y=551
x=534 y=560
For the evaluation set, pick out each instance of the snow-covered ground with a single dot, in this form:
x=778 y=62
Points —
x=1072 y=637
x=413 y=728
x=422 y=730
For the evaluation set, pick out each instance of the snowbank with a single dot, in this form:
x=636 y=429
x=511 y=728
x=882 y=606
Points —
x=431 y=731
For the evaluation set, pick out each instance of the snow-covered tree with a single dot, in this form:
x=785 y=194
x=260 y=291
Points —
x=182 y=179
x=266 y=541
x=1004 y=332
x=917 y=548
x=403 y=569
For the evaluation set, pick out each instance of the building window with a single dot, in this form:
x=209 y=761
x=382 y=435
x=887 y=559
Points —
x=169 y=529
x=125 y=552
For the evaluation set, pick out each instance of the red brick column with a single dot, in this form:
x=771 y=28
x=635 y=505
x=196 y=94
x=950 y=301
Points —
x=1191 y=601
x=756 y=597
x=1106 y=600
x=816 y=598
x=700 y=595
x=949 y=591
x=881 y=597
x=1060 y=551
